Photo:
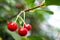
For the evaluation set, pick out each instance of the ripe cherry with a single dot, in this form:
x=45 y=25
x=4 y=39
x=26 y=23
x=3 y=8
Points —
x=18 y=5
x=22 y=31
x=27 y=26
x=12 y=26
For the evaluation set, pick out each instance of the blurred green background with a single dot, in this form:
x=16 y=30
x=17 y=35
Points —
x=42 y=19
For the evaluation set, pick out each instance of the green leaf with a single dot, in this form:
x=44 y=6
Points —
x=1 y=19
x=2 y=1
x=35 y=15
x=42 y=10
x=14 y=34
x=30 y=3
x=39 y=14
x=2 y=16
x=32 y=38
x=35 y=38
x=52 y=2
x=42 y=14
x=49 y=12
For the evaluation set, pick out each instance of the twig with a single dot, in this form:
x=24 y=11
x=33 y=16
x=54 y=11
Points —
x=25 y=11
x=33 y=8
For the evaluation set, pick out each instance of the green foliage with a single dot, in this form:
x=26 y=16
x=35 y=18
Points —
x=35 y=17
x=15 y=35
x=39 y=14
x=35 y=38
x=30 y=3
x=52 y=2
x=32 y=38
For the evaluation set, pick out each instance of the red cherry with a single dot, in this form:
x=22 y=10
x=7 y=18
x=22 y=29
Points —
x=22 y=31
x=12 y=26
x=27 y=26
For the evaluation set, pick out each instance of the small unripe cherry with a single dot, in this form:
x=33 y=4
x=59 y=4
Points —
x=28 y=26
x=18 y=5
x=22 y=31
x=12 y=26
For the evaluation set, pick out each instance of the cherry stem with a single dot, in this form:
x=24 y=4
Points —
x=18 y=15
x=22 y=19
x=39 y=6
x=24 y=16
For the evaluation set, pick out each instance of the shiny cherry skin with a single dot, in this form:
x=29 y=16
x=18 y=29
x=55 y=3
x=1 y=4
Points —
x=12 y=26
x=28 y=26
x=22 y=31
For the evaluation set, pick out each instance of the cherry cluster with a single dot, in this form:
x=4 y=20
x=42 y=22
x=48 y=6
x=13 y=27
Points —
x=12 y=26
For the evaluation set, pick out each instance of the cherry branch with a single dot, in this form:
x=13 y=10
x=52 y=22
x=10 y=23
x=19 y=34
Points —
x=28 y=10
x=34 y=8
x=25 y=11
